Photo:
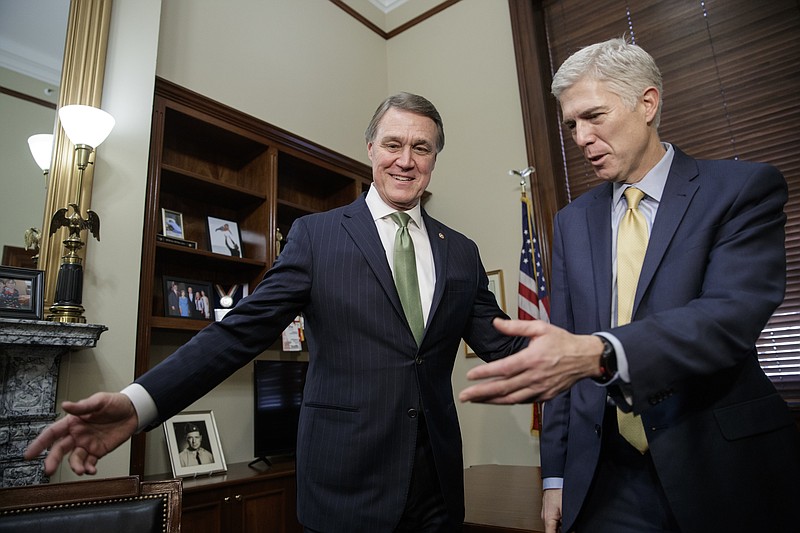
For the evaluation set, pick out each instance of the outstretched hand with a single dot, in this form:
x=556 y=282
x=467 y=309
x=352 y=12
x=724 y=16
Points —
x=553 y=361
x=92 y=428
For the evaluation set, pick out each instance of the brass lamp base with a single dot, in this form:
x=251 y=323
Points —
x=69 y=285
x=69 y=290
x=72 y=314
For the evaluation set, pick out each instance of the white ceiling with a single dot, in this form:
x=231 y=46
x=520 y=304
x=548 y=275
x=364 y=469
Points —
x=390 y=14
x=387 y=5
x=32 y=36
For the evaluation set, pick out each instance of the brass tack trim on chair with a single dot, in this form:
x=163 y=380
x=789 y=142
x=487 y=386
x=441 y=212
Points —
x=45 y=508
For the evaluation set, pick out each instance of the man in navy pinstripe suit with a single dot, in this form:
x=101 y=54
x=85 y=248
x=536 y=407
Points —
x=379 y=445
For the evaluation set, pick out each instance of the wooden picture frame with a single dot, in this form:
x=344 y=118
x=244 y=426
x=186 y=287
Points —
x=497 y=287
x=224 y=237
x=172 y=224
x=201 y=306
x=21 y=293
x=193 y=444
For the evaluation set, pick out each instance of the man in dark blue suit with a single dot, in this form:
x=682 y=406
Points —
x=379 y=446
x=719 y=449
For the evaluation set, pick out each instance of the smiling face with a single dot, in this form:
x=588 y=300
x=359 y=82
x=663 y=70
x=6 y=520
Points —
x=621 y=144
x=403 y=154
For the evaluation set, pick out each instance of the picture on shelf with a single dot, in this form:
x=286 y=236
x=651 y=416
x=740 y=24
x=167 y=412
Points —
x=224 y=237
x=172 y=223
x=186 y=298
x=21 y=293
x=193 y=444
x=227 y=296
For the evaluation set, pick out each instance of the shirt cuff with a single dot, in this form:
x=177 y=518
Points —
x=552 y=483
x=143 y=403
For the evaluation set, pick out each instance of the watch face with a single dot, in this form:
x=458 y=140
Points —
x=226 y=301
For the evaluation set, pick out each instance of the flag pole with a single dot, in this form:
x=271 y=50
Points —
x=524 y=175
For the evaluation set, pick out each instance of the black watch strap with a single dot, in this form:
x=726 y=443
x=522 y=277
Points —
x=608 y=362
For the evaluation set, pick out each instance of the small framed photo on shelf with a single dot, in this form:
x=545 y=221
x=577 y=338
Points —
x=193 y=444
x=224 y=237
x=21 y=293
x=185 y=298
x=226 y=297
x=172 y=223
x=497 y=288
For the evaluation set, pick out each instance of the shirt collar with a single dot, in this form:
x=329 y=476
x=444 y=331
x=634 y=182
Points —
x=652 y=184
x=378 y=208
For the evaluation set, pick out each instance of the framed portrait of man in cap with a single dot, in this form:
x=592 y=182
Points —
x=193 y=444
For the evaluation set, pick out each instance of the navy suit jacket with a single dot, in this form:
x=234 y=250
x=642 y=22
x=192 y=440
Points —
x=722 y=440
x=367 y=380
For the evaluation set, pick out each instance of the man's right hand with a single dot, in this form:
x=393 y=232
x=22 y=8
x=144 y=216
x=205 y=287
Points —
x=92 y=428
x=551 y=510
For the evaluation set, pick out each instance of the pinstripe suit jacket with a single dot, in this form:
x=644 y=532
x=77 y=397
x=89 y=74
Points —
x=721 y=438
x=367 y=380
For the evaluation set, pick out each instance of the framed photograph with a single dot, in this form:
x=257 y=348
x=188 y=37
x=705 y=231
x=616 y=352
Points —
x=227 y=296
x=224 y=237
x=498 y=289
x=193 y=444
x=186 y=298
x=21 y=293
x=172 y=223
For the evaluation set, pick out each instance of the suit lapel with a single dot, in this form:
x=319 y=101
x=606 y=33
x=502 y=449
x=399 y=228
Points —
x=678 y=192
x=598 y=223
x=438 y=240
x=358 y=223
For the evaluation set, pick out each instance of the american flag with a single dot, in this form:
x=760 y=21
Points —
x=533 y=302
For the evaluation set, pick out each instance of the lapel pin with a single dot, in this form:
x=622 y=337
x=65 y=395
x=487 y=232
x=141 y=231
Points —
x=441 y=235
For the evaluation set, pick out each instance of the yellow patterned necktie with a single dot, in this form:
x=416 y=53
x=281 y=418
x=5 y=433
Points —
x=632 y=238
x=405 y=275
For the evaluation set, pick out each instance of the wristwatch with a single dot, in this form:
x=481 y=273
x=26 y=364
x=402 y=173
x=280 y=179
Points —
x=608 y=362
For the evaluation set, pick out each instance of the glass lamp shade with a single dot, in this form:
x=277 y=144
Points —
x=41 y=146
x=85 y=124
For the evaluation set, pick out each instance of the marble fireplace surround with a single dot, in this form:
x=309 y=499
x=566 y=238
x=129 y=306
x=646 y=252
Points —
x=30 y=355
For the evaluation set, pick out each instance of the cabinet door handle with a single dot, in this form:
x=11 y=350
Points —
x=227 y=499
x=238 y=497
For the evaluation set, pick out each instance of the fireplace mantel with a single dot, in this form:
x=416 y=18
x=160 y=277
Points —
x=30 y=355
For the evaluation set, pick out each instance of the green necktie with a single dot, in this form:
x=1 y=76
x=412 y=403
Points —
x=405 y=275
x=631 y=246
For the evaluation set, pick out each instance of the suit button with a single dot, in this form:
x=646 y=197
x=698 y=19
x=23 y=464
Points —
x=598 y=429
x=412 y=413
x=419 y=360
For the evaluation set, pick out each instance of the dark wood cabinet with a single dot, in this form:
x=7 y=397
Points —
x=207 y=159
x=257 y=499
x=244 y=500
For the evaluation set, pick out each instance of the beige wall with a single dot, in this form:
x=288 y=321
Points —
x=307 y=67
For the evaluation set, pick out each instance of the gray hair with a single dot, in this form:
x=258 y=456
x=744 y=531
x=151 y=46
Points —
x=412 y=103
x=625 y=68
